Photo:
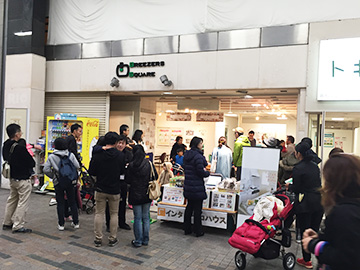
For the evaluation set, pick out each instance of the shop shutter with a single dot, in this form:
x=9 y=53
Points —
x=92 y=105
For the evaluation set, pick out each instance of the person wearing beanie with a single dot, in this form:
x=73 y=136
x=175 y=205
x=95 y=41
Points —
x=315 y=157
x=306 y=186
x=240 y=142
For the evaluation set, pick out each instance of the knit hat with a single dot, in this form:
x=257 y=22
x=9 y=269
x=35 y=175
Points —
x=239 y=130
x=271 y=142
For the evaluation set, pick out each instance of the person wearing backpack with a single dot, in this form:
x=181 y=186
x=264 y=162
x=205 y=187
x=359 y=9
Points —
x=62 y=167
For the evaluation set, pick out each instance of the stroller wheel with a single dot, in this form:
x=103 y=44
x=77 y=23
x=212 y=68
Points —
x=89 y=211
x=289 y=261
x=240 y=260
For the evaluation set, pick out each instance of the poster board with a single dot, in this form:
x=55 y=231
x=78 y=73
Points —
x=147 y=124
x=166 y=136
x=223 y=200
x=173 y=195
x=258 y=177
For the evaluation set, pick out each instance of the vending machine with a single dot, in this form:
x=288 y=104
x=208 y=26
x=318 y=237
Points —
x=59 y=126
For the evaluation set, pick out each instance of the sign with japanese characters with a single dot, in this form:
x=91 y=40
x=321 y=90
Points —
x=208 y=218
x=339 y=69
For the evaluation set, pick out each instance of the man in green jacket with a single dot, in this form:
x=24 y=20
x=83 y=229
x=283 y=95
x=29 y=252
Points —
x=241 y=141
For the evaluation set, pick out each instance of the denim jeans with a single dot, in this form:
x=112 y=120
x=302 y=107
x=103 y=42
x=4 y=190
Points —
x=70 y=194
x=141 y=223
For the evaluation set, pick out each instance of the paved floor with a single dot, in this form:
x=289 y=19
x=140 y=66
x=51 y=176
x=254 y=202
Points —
x=48 y=248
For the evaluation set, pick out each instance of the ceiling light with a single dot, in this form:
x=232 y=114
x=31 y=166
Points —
x=187 y=110
x=248 y=97
x=337 y=119
x=159 y=113
x=168 y=93
x=256 y=105
x=230 y=114
x=257 y=118
x=195 y=111
x=169 y=111
x=283 y=117
x=23 y=34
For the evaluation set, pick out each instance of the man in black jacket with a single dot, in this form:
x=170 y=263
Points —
x=21 y=164
x=76 y=132
x=107 y=166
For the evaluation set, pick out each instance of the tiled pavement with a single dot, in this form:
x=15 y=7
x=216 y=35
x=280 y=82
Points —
x=48 y=248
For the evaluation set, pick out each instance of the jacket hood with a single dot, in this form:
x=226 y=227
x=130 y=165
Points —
x=111 y=153
x=168 y=166
x=61 y=152
x=244 y=138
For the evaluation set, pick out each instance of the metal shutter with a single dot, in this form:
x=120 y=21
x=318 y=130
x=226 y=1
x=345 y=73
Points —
x=92 y=105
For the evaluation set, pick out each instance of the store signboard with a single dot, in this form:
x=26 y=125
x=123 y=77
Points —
x=209 y=117
x=125 y=70
x=178 y=116
x=208 y=218
x=339 y=69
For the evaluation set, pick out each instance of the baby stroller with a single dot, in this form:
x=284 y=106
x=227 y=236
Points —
x=87 y=191
x=258 y=238
x=177 y=169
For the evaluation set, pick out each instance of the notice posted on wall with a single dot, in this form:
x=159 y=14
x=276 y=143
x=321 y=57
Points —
x=223 y=201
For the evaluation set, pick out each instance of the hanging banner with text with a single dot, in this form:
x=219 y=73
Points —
x=178 y=116
x=209 y=117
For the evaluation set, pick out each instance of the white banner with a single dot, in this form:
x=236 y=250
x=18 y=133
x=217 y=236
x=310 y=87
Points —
x=81 y=21
x=208 y=218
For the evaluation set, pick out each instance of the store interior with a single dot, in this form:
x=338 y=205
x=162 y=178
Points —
x=164 y=115
x=341 y=130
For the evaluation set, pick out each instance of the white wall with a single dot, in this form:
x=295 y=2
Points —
x=273 y=128
x=231 y=123
x=25 y=89
x=275 y=67
x=205 y=130
x=318 y=32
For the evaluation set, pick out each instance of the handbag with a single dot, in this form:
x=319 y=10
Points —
x=154 y=187
x=6 y=165
x=213 y=163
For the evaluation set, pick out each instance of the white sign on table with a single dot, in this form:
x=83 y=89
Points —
x=208 y=218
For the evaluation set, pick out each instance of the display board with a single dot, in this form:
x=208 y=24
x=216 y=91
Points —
x=147 y=125
x=167 y=136
x=223 y=200
x=173 y=195
x=258 y=177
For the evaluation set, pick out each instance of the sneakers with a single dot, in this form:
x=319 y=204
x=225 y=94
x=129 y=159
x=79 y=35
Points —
x=52 y=202
x=75 y=226
x=36 y=182
x=61 y=228
x=22 y=230
x=97 y=243
x=125 y=227
x=68 y=219
x=113 y=243
x=307 y=265
x=7 y=227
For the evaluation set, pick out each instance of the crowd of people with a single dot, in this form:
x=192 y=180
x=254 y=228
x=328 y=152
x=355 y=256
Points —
x=123 y=173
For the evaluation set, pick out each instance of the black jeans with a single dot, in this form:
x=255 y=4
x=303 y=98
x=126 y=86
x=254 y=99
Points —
x=70 y=194
x=238 y=173
x=308 y=221
x=122 y=206
x=193 y=206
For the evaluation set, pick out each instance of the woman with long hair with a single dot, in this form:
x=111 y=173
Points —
x=138 y=175
x=138 y=138
x=338 y=247
x=222 y=155
x=194 y=188
x=306 y=185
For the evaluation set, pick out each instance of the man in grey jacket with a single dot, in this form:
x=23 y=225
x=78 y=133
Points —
x=51 y=169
